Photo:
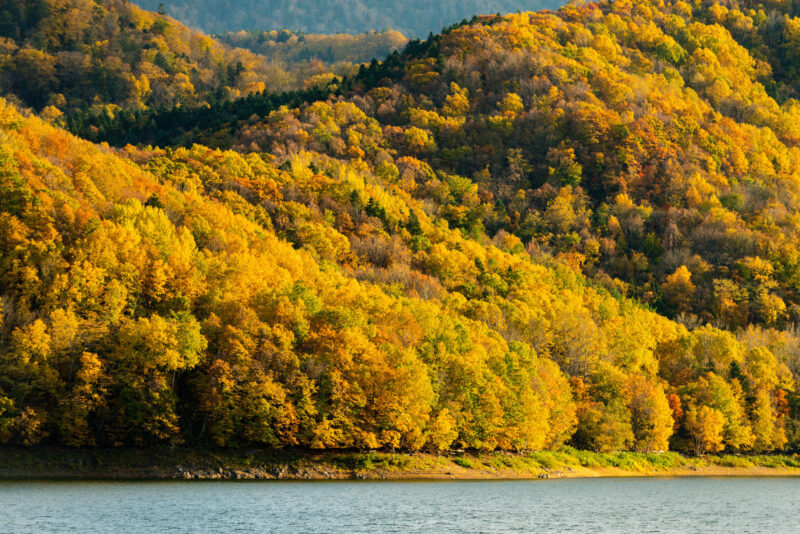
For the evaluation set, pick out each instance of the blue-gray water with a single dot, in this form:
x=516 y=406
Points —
x=589 y=505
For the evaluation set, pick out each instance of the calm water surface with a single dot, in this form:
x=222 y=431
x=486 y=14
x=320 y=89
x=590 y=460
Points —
x=592 y=505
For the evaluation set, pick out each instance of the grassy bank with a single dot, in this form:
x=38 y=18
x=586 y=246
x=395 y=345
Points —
x=184 y=463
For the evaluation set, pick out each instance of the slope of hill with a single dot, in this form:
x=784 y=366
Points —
x=414 y=17
x=641 y=141
x=440 y=256
x=205 y=296
x=112 y=56
x=71 y=54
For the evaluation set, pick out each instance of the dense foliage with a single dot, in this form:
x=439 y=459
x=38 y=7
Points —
x=482 y=242
x=103 y=55
x=71 y=54
x=411 y=17
x=206 y=296
x=641 y=142
x=212 y=124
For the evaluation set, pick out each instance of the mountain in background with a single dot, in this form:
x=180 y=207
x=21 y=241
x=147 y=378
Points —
x=285 y=47
x=413 y=17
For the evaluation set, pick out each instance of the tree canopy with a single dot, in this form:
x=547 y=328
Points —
x=531 y=230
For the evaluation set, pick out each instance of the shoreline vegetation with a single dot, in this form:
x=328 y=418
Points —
x=165 y=463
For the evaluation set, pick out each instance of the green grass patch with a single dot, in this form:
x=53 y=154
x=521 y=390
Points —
x=631 y=461
x=372 y=460
x=592 y=460
x=546 y=459
x=665 y=460
x=729 y=460
x=777 y=461
x=516 y=462
x=466 y=463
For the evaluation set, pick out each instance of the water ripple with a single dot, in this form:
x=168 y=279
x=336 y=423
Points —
x=591 y=505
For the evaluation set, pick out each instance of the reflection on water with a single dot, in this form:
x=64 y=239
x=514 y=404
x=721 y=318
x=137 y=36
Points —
x=580 y=505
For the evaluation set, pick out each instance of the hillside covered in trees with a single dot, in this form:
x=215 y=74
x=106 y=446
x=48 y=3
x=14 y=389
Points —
x=659 y=157
x=411 y=17
x=71 y=54
x=529 y=231
x=109 y=55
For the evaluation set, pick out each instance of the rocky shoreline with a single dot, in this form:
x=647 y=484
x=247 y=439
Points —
x=274 y=472
x=298 y=465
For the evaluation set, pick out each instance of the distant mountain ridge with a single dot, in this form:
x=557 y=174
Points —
x=413 y=17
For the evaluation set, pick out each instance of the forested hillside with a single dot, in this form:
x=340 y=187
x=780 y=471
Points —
x=70 y=54
x=412 y=17
x=212 y=297
x=108 y=55
x=649 y=146
x=532 y=230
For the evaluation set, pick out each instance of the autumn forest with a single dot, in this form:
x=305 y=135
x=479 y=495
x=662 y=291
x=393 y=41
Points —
x=575 y=228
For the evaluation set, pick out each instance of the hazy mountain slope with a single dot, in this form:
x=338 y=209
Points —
x=104 y=56
x=414 y=17
x=288 y=47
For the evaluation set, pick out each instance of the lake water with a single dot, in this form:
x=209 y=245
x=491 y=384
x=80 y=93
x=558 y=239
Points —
x=578 y=505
